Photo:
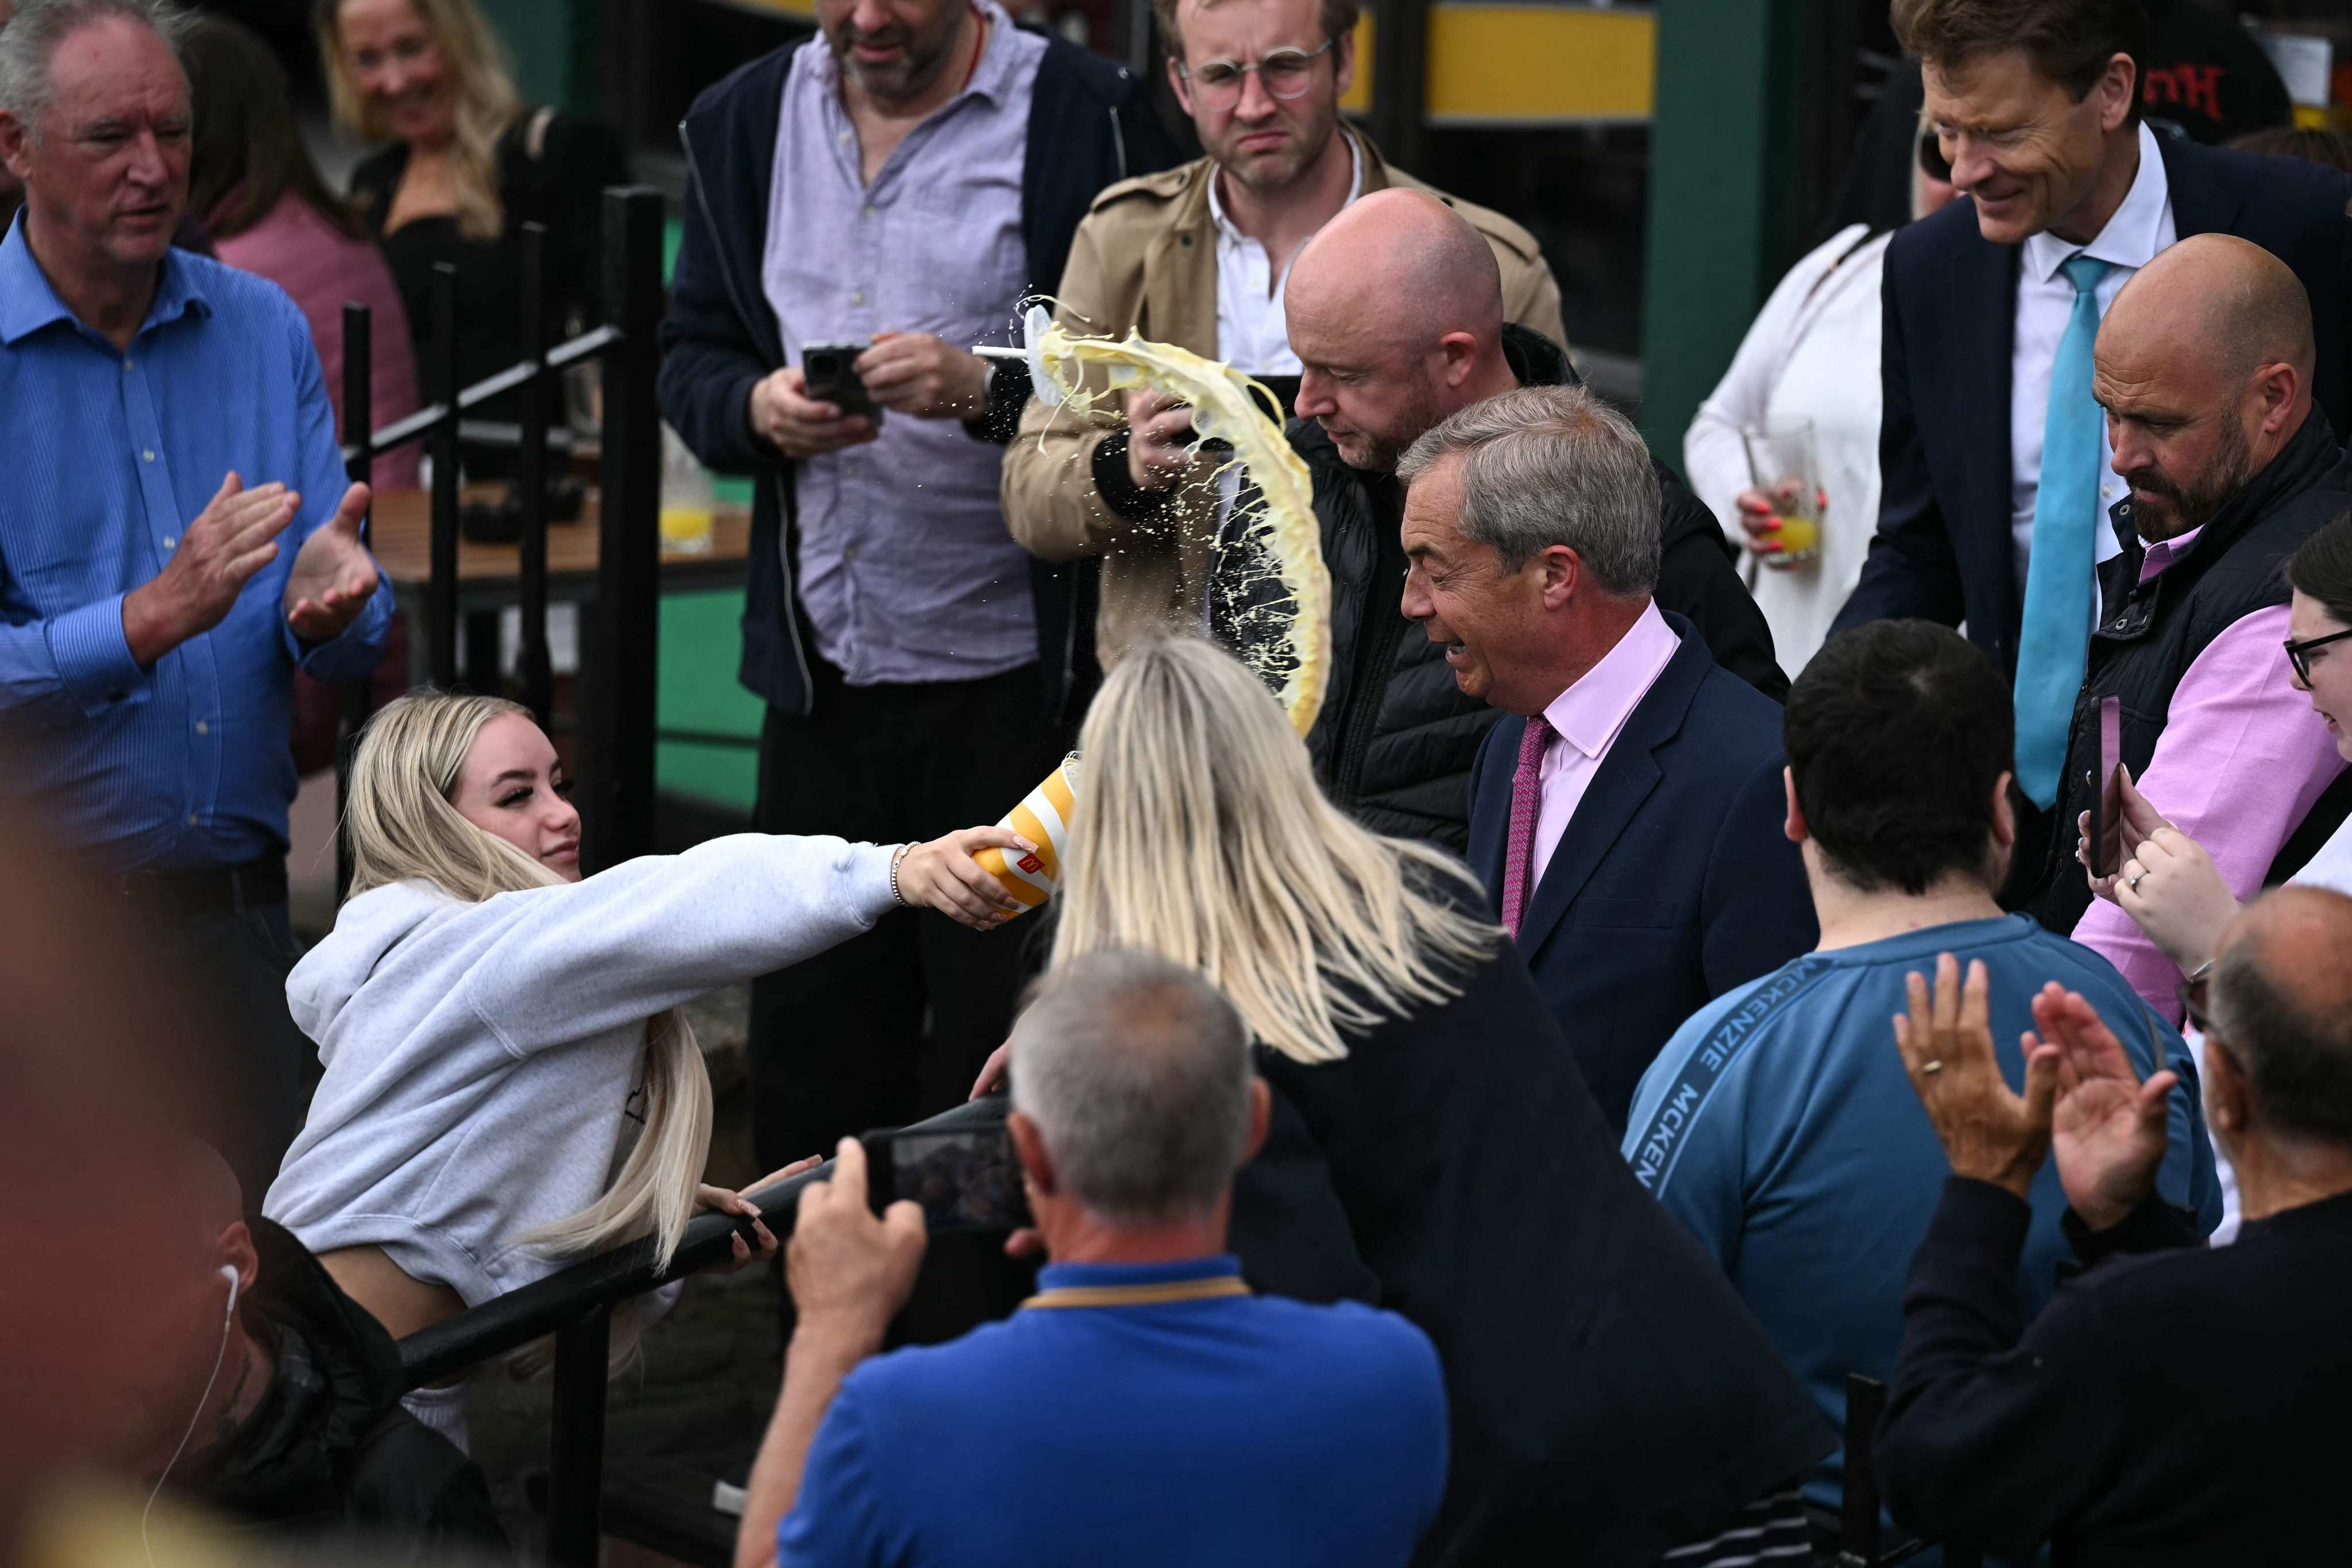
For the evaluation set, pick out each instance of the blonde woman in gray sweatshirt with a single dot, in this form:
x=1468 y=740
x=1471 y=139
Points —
x=511 y=1081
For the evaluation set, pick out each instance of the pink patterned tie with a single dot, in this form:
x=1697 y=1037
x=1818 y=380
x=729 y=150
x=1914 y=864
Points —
x=1527 y=796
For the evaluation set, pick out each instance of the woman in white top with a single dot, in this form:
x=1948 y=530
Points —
x=2170 y=885
x=1811 y=353
x=510 y=1080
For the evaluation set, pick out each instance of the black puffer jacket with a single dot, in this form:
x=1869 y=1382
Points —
x=1396 y=738
x=330 y=1452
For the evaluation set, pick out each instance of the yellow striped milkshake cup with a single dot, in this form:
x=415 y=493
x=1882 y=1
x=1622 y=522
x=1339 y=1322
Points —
x=1043 y=818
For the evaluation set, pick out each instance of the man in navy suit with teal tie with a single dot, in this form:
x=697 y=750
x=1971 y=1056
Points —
x=1993 y=455
x=1626 y=813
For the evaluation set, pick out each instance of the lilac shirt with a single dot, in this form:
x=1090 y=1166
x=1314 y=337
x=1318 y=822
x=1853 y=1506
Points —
x=2233 y=719
x=1589 y=715
x=906 y=568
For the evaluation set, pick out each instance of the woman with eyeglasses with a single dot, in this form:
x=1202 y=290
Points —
x=2170 y=885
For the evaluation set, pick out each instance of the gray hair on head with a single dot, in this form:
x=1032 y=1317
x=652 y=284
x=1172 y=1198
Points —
x=1137 y=1073
x=1553 y=465
x=29 y=44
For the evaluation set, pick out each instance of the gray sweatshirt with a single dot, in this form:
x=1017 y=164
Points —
x=481 y=1059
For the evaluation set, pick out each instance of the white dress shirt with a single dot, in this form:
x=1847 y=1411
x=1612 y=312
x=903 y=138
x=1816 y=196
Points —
x=2045 y=301
x=1253 y=333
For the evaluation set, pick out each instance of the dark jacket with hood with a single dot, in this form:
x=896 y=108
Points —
x=1090 y=125
x=1396 y=738
x=329 y=1451
x=2150 y=633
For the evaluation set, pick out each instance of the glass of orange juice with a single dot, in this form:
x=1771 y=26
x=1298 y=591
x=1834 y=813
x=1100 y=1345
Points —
x=687 y=504
x=1781 y=464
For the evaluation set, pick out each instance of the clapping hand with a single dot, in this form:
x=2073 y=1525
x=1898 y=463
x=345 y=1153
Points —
x=2109 y=1131
x=333 y=575
x=1990 y=1134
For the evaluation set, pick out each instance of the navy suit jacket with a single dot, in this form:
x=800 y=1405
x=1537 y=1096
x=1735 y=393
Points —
x=1673 y=882
x=1943 y=551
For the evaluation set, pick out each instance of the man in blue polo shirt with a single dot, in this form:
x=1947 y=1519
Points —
x=1143 y=1408
x=176 y=536
x=1779 y=1124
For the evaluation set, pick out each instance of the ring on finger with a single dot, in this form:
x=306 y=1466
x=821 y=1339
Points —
x=2132 y=881
x=1930 y=1068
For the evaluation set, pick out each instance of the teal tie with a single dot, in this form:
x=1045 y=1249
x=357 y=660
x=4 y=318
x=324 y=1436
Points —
x=2059 y=572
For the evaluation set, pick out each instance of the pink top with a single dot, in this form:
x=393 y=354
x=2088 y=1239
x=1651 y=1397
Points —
x=322 y=268
x=2237 y=768
x=1589 y=715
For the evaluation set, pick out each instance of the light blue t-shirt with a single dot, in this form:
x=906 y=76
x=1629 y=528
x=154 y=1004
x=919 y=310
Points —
x=1124 y=1420
x=1778 y=1124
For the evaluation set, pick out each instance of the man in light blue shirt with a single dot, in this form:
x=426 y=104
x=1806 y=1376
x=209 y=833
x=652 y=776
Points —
x=176 y=536
x=1779 y=1124
x=1143 y=1408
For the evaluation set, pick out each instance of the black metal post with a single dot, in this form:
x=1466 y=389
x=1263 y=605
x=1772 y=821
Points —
x=616 y=710
x=1399 y=80
x=359 y=425
x=441 y=590
x=537 y=674
x=1858 y=1533
x=575 y=1444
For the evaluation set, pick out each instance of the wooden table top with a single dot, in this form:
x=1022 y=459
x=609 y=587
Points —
x=402 y=538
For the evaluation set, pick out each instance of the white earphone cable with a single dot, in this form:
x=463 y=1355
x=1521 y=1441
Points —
x=228 y=1320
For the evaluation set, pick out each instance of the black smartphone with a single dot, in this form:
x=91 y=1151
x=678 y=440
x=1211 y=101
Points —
x=2106 y=792
x=829 y=374
x=967 y=1179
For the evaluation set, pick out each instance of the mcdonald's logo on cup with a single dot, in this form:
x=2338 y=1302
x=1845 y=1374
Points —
x=1043 y=818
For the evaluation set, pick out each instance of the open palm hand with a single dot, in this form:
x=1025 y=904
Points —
x=2108 y=1129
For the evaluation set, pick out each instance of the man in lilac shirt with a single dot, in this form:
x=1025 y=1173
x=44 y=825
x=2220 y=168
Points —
x=2204 y=367
x=1626 y=816
x=903 y=180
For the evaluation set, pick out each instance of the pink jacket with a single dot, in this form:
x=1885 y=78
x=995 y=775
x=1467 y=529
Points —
x=296 y=248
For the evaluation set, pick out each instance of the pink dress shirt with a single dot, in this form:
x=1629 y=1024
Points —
x=1589 y=715
x=2237 y=768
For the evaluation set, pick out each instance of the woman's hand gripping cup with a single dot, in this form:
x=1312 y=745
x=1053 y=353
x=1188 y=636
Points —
x=942 y=875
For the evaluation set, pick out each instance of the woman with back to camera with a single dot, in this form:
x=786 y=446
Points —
x=2168 y=884
x=510 y=1079
x=1434 y=1148
x=469 y=163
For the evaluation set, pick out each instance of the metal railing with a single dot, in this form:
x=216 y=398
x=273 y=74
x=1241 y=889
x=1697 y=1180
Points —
x=576 y=1306
x=618 y=634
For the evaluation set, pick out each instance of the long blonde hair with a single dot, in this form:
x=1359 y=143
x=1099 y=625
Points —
x=402 y=827
x=487 y=101
x=1200 y=834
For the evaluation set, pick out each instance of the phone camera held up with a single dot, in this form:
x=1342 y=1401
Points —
x=966 y=1178
x=829 y=374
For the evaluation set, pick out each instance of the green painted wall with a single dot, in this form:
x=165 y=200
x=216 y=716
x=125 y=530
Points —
x=1722 y=224
x=554 y=43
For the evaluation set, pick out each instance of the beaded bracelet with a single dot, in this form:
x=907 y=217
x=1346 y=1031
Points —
x=896 y=861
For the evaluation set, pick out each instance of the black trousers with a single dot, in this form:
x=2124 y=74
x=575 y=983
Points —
x=235 y=962
x=893 y=1026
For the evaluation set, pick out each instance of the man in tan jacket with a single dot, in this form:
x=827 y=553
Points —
x=1196 y=256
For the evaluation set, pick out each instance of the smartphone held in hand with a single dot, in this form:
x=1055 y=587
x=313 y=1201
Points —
x=829 y=374
x=966 y=1178
x=2108 y=847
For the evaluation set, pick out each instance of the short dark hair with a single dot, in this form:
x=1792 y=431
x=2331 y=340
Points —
x=1337 y=17
x=1897 y=732
x=2069 y=41
x=2312 y=144
x=2297 y=1057
x=2321 y=567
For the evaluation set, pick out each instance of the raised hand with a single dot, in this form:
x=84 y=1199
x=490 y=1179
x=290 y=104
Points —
x=2108 y=1129
x=1160 y=442
x=233 y=537
x=333 y=574
x=1989 y=1132
x=848 y=1271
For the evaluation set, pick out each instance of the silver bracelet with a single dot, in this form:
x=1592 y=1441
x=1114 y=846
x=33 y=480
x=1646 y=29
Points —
x=896 y=861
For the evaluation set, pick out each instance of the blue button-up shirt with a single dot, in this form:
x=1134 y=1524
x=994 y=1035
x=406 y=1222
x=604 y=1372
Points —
x=110 y=456
x=906 y=566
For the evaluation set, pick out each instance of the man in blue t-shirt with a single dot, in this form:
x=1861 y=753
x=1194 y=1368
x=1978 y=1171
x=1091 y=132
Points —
x=1143 y=1408
x=1779 y=1124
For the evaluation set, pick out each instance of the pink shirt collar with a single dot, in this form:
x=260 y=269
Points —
x=1589 y=714
x=2164 y=551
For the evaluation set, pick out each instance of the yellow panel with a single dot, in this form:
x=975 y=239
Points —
x=1358 y=99
x=1539 y=65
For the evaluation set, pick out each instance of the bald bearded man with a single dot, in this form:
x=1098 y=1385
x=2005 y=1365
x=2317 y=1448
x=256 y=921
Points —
x=1395 y=311
x=2204 y=365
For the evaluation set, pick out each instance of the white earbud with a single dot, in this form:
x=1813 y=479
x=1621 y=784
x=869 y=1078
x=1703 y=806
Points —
x=228 y=1272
